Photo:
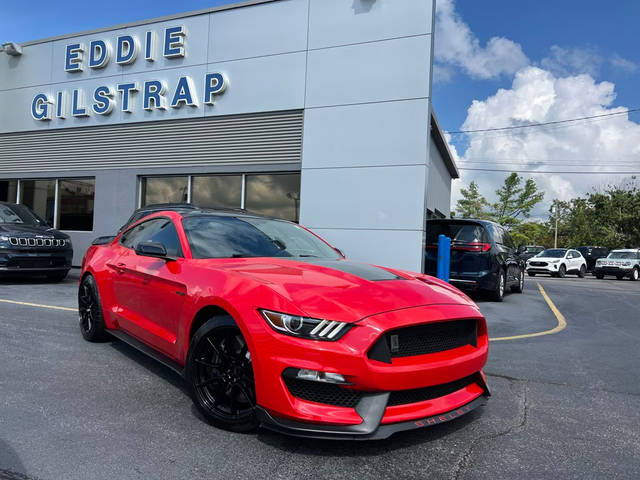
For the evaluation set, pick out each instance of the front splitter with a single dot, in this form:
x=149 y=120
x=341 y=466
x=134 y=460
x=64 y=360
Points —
x=357 y=432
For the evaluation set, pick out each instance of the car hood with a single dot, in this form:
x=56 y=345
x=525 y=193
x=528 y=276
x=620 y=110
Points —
x=344 y=290
x=22 y=230
x=544 y=259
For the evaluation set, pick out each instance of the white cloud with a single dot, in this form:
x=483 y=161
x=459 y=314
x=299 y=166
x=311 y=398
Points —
x=567 y=61
x=456 y=45
x=623 y=64
x=539 y=96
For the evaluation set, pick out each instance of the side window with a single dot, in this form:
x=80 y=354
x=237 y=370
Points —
x=160 y=230
x=508 y=240
x=497 y=235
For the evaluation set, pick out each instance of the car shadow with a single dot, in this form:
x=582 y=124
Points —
x=152 y=366
x=346 y=448
x=10 y=464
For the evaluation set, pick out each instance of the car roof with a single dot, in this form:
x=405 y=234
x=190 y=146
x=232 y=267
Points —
x=462 y=220
x=630 y=250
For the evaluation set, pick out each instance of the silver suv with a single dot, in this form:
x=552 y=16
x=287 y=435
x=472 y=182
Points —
x=619 y=263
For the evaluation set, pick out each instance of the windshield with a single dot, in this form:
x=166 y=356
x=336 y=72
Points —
x=533 y=249
x=623 y=255
x=553 y=253
x=19 y=214
x=212 y=236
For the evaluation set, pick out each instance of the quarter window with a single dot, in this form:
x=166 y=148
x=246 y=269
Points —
x=161 y=230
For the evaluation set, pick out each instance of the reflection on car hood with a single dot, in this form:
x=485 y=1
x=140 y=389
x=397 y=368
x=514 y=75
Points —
x=23 y=230
x=341 y=289
x=545 y=259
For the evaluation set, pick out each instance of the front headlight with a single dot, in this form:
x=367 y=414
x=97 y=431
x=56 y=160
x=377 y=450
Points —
x=554 y=261
x=305 y=327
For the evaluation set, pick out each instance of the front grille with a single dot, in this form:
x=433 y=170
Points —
x=403 y=397
x=45 y=262
x=423 y=339
x=37 y=242
x=538 y=264
x=326 y=393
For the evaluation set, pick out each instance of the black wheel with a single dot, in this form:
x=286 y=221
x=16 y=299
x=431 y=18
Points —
x=90 y=311
x=599 y=276
x=531 y=274
x=582 y=271
x=220 y=376
x=634 y=275
x=519 y=288
x=57 y=276
x=497 y=295
x=562 y=271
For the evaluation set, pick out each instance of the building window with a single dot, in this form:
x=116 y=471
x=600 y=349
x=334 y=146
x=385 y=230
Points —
x=8 y=190
x=217 y=191
x=40 y=196
x=164 y=190
x=276 y=195
x=75 y=204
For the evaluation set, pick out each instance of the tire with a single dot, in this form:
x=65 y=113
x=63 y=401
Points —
x=220 y=376
x=531 y=274
x=497 y=294
x=562 y=271
x=599 y=276
x=519 y=288
x=634 y=275
x=581 y=273
x=57 y=276
x=90 y=311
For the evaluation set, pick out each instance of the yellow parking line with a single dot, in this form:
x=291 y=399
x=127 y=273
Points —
x=27 y=304
x=562 y=322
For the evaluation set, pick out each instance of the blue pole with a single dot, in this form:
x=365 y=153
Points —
x=444 y=254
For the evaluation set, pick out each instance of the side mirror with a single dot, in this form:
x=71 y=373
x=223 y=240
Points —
x=152 y=249
x=340 y=252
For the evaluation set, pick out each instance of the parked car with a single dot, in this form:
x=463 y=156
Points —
x=28 y=245
x=591 y=254
x=483 y=256
x=270 y=325
x=525 y=252
x=557 y=262
x=619 y=263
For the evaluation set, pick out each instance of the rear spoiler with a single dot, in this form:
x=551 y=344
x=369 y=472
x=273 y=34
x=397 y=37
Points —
x=103 y=240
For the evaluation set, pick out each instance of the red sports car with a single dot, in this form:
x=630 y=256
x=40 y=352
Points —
x=271 y=326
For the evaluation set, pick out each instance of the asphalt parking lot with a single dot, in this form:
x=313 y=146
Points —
x=565 y=404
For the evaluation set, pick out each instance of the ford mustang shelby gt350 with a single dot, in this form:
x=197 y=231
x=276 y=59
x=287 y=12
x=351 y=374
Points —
x=270 y=325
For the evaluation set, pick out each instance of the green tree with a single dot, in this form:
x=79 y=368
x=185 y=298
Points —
x=515 y=200
x=472 y=204
x=532 y=233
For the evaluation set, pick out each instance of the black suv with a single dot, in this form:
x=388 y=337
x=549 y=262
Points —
x=483 y=256
x=525 y=252
x=29 y=245
x=591 y=254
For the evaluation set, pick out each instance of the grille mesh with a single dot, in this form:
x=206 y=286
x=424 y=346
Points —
x=326 y=393
x=423 y=339
x=403 y=397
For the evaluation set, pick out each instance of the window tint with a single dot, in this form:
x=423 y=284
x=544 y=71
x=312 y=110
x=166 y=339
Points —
x=508 y=240
x=75 y=211
x=456 y=231
x=161 y=230
x=553 y=253
x=274 y=195
x=8 y=189
x=164 y=190
x=497 y=234
x=218 y=191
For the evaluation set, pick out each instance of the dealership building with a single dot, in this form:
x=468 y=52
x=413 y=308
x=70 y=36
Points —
x=317 y=111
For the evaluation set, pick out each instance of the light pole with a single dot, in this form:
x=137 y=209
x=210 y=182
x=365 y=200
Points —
x=554 y=210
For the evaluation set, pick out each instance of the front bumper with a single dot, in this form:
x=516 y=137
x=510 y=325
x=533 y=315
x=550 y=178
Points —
x=551 y=268
x=616 y=271
x=16 y=261
x=373 y=416
x=371 y=412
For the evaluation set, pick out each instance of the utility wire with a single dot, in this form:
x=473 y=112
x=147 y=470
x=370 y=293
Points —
x=544 y=123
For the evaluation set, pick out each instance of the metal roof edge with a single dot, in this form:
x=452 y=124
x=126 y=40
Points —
x=204 y=11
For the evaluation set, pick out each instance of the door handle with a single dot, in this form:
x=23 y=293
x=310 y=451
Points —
x=120 y=267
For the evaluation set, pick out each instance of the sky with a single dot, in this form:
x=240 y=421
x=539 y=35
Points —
x=498 y=63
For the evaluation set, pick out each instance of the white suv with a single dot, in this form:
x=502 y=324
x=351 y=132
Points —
x=621 y=263
x=557 y=262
